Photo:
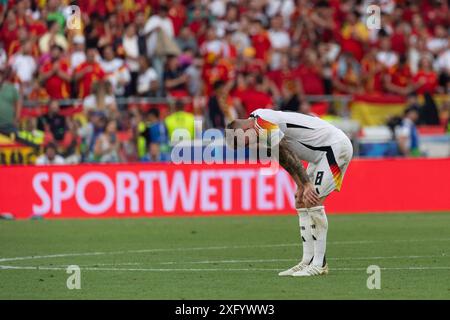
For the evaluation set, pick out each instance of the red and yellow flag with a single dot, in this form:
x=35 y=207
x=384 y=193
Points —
x=373 y=110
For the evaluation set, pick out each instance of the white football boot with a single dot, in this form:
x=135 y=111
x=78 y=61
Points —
x=297 y=268
x=311 y=270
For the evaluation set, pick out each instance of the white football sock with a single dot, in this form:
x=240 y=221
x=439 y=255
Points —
x=305 y=232
x=319 y=231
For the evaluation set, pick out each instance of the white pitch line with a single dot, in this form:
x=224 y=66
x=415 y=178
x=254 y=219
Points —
x=100 y=264
x=395 y=268
x=421 y=268
x=232 y=261
x=62 y=255
x=44 y=268
x=284 y=260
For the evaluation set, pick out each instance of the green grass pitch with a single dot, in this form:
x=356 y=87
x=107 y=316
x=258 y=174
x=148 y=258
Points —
x=223 y=258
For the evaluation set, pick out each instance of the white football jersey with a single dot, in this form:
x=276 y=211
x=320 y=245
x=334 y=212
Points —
x=308 y=136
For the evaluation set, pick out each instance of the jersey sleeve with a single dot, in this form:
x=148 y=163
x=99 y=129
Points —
x=268 y=125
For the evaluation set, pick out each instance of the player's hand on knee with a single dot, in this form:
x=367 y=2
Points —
x=310 y=196
x=299 y=198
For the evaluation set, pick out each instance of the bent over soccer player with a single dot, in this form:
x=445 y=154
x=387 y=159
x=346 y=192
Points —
x=328 y=152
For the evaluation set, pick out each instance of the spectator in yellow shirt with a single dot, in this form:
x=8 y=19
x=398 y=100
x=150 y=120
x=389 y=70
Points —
x=354 y=35
x=180 y=119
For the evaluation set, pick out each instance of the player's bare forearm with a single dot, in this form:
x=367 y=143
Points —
x=292 y=164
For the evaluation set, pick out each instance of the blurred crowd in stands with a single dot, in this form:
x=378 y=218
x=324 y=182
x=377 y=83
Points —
x=215 y=59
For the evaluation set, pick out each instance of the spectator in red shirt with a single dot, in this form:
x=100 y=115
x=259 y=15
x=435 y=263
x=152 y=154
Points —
x=285 y=78
x=425 y=78
x=310 y=74
x=399 y=39
x=435 y=12
x=88 y=72
x=22 y=9
x=213 y=71
x=92 y=6
x=37 y=28
x=255 y=95
x=178 y=15
x=323 y=19
x=55 y=74
x=288 y=85
x=247 y=63
x=196 y=20
x=372 y=73
x=16 y=44
x=398 y=80
x=8 y=32
x=260 y=40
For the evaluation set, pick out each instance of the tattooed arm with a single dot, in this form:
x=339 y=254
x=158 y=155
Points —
x=293 y=165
